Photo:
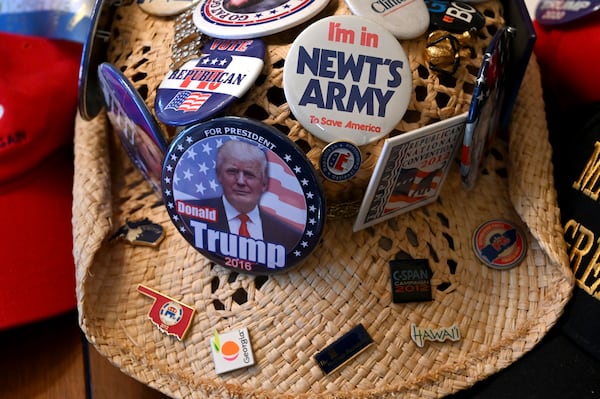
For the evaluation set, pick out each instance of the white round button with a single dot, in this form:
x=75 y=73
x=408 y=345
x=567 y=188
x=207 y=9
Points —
x=165 y=8
x=347 y=78
x=406 y=19
x=248 y=19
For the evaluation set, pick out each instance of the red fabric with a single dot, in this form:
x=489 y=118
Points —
x=569 y=59
x=38 y=100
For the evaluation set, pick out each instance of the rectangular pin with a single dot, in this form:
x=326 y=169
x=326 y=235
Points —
x=344 y=349
x=410 y=280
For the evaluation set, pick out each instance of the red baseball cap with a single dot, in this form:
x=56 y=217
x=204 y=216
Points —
x=568 y=59
x=38 y=102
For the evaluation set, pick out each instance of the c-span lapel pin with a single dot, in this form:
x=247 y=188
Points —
x=169 y=315
x=411 y=280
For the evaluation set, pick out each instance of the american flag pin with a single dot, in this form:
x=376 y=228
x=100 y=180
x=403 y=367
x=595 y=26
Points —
x=205 y=85
x=244 y=195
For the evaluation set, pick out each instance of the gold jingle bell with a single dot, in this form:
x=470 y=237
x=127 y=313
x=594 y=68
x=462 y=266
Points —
x=444 y=50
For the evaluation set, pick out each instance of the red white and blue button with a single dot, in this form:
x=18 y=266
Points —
x=204 y=179
x=499 y=244
x=247 y=19
x=205 y=86
x=340 y=161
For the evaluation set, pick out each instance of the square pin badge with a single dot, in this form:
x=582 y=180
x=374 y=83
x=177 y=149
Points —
x=410 y=171
x=231 y=350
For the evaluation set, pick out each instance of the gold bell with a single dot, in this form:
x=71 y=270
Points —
x=444 y=50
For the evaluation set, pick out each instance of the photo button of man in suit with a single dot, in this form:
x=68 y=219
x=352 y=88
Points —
x=242 y=170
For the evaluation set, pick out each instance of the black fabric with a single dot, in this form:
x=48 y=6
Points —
x=582 y=322
x=575 y=138
x=556 y=368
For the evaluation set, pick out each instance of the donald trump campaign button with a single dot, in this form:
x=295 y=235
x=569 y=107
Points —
x=243 y=194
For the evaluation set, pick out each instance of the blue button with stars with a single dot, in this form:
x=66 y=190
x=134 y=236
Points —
x=203 y=87
x=244 y=195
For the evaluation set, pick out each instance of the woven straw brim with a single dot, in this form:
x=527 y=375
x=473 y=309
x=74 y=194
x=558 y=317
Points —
x=292 y=316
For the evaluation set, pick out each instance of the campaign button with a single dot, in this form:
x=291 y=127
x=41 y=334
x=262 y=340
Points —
x=165 y=8
x=406 y=19
x=484 y=111
x=340 y=161
x=94 y=52
x=549 y=13
x=139 y=133
x=247 y=19
x=347 y=78
x=204 y=86
x=454 y=16
x=244 y=195
x=499 y=244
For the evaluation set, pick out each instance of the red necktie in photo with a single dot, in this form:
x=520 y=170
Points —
x=244 y=225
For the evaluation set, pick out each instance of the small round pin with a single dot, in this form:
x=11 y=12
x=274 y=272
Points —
x=340 y=161
x=499 y=244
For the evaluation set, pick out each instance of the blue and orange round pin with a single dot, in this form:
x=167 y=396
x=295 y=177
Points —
x=499 y=244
